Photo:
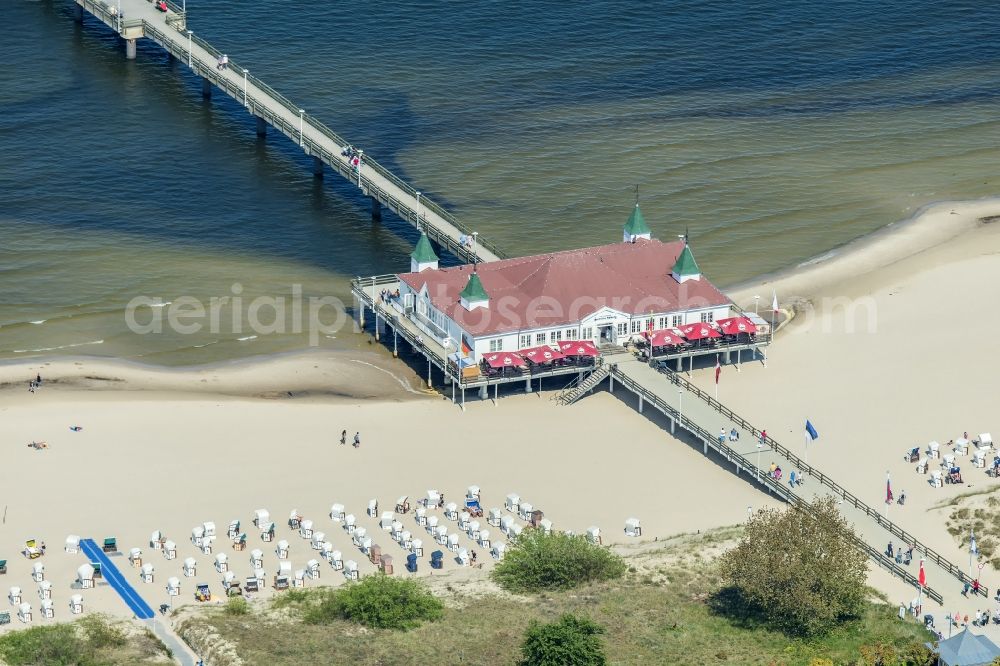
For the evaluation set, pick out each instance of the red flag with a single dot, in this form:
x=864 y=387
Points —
x=718 y=370
x=888 y=490
x=922 y=577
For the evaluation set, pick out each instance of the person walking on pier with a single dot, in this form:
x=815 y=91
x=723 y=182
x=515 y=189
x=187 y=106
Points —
x=722 y=435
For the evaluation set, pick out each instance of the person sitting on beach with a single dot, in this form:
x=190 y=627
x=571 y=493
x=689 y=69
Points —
x=902 y=498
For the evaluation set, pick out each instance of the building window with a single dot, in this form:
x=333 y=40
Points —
x=636 y=325
x=676 y=320
x=525 y=341
x=496 y=345
x=622 y=329
x=539 y=338
x=649 y=324
x=661 y=323
x=555 y=336
x=707 y=317
x=588 y=333
x=571 y=334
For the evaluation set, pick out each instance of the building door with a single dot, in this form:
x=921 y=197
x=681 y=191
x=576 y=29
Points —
x=607 y=334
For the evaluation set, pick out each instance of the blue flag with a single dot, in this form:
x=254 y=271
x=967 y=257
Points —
x=811 y=431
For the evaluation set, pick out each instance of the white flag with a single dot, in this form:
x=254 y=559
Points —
x=774 y=300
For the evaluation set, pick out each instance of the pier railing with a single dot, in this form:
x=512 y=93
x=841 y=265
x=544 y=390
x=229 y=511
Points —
x=337 y=161
x=840 y=491
x=775 y=486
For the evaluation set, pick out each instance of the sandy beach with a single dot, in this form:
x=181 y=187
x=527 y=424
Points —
x=154 y=460
x=167 y=449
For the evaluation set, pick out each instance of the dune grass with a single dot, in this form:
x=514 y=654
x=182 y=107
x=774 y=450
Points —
x=655 y=614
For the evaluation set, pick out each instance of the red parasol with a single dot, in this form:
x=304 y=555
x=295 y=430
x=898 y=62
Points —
x=701 y=331
x=542 y=354
x=504 y=360
x=578 y=348
x=736 y=325
x=665 y=337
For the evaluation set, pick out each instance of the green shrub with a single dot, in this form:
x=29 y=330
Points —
x=377 y=601
x=53 y=645
x=798 y=570
x=555 y=561
x=237 y=606
x=99 y=633
x=570 y=641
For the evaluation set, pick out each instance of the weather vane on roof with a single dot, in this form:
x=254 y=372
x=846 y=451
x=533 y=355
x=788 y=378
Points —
x=637 y=194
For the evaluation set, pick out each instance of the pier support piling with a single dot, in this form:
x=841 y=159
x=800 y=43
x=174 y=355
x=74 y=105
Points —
x=640 y=404
x=378 y=327
x=261 y=127
x=527 y=385
x=130 y=49
x=430 y=383
x=78 y=13
x=673 y=426
x=395 y=348
x=376 y=210
x=484 y=392
x=680 y=364
x=317 y=167
x=206 y=89
x=704 y=446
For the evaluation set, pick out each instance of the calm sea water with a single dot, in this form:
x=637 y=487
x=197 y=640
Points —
x=774 y=131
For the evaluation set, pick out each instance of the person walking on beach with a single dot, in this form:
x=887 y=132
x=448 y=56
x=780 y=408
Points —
x=343 y=437
x=357 y=440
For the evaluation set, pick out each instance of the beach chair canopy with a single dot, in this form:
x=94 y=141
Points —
x=110 y=542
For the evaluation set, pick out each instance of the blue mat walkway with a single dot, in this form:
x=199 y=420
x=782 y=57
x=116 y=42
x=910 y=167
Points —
x=117 y=580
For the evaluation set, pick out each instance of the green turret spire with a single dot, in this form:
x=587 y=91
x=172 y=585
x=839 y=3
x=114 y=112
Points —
x=636 y=225
x=686 y=267
x=423 y=253
x=474 y=291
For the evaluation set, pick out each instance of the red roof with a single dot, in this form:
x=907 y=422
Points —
x=564 y=287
